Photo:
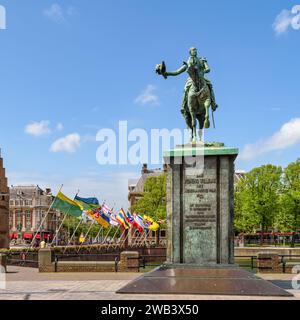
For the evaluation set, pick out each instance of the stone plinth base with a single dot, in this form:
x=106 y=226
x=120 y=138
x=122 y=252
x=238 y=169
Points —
x=129 y=261
x=268 y=263
x=200 y=188
x=202 y=281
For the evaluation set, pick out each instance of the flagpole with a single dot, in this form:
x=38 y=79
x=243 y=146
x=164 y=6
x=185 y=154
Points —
x=124 y=242
x=98 y=234
x=69 y=241
x=63 y=220
x=119 y=238
x=136 y=238
x=114 y=236
x=43 y=220
x=66 y=214
x=103 y=242
x=74 y=233
x=90 y=228
x=133 y=242
x=145 y=238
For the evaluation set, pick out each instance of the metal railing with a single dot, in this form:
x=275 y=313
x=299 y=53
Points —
x=23 y=259
x=292 y=259
x=252 y=259
x=87 y=258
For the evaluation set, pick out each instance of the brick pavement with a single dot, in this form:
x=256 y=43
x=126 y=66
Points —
x=28 y=284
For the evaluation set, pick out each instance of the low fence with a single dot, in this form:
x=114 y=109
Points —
x=23 y=259
x=271 y=240
x=257 y=259
x=269 y=262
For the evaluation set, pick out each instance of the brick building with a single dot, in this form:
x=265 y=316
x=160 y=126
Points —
x=27 y=208
x=4 y=207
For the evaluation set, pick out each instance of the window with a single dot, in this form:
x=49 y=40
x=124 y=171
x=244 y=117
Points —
x=11 y=202
x=163 y=233
x=28 y=225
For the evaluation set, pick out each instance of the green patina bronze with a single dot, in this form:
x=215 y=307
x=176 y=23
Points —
x=198 y=92
x=200 y=150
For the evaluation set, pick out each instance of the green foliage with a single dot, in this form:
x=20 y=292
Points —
x=153 y=202
x=71 y=223
x=257 y=198
x=289 y=217
x=269 y=197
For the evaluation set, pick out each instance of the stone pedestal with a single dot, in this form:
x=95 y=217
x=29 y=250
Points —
x=129 y=261
x=45 y=260
x=200 y=253
x=268 y=263
x=200 y=205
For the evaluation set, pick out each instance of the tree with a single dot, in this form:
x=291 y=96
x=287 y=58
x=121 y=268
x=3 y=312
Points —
x=257 y=198
x=153 y=202
x=289 y=217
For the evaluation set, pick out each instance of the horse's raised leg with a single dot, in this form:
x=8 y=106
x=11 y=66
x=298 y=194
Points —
x=206 y=106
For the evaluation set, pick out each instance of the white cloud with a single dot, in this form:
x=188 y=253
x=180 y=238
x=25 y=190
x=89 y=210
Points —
x=55 y=13
x=58 y=14
x=69 y=143
x=38 y=128
x=147 y=96
x=287 y=18
x=59 y=126
x=282 y=21
x=287 y=136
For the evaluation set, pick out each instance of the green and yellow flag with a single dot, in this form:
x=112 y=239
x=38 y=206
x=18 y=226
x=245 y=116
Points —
x=67 y=206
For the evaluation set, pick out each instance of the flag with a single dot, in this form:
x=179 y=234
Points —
x=67 y=206
x=138 y=223
x=106 y=210
x=99 y=216
x=121 y=217
x=129 y=217
x=87 y=203
x=152 y=225
x=113 y=220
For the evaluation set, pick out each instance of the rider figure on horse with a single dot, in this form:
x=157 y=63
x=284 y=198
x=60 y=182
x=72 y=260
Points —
x=198 y=92
x=202 y=66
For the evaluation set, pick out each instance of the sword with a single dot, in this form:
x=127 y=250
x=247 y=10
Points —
x=213 y=118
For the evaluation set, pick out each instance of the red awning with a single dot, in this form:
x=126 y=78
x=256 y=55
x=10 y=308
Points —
x=13 y=235
x=27 y=235
x=46 y=236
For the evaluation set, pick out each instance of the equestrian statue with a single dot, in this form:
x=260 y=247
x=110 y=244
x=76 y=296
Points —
x=198 y=93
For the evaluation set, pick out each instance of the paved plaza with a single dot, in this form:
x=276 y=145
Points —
x=28 y=284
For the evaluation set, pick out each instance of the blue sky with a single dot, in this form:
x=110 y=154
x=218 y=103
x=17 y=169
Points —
x=74 y=67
